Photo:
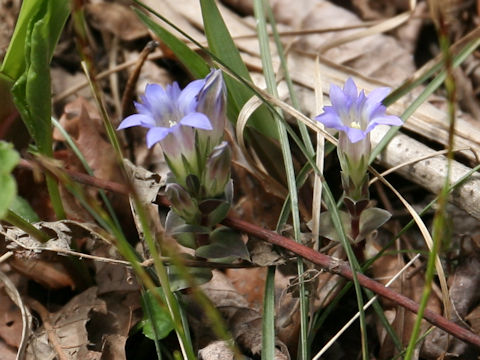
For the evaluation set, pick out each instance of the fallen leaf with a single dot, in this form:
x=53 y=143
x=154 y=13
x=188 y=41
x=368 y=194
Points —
x=117 y=19
x=244 y=322
x=69 y=327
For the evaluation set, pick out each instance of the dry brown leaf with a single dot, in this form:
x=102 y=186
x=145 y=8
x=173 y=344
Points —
x=8 y=17
x=11 y=321
x=109 y=331
x=464 y=294
x=402 y=321
x=83 y=123
x=217 y=350
x=69 y=328
x=117 y=19
x=244 y=322
x=39 y=261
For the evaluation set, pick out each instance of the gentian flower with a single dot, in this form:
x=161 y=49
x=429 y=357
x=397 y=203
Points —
x=181 y=120
x=165 y=111
x=355 y=115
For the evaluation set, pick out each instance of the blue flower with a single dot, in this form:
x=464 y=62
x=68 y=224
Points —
x=354 y=113
x=165 y=111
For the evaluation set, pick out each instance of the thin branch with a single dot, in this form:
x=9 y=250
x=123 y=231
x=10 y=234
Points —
x=333 y=265
x=339 y=267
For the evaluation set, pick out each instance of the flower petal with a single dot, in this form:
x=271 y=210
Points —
x=173 y=91
x=340 y=102
x=377 y=95
x=355 y=135
x=156 y=134
x=374 y=100
x=330 y=119
x=187 y=101
x=384 y=120
x=136 y=120
x=143 y=109
x=350 y=89
x=197 y=120
x=158 y=102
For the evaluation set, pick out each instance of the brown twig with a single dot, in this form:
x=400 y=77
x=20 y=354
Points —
x=52 y=336
x=341 y=268
x=80 y=177
x=326 y=262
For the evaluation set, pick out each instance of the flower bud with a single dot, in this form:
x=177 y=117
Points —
x=353 y=159
x=182 y=203
x=212 y=103
x=217 y=172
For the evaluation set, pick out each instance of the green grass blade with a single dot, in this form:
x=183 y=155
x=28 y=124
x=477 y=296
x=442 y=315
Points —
x=268 y=321
x=429 y=89
x=222 y=45
x=89 y=170
x=192 y=61
x=288 y=163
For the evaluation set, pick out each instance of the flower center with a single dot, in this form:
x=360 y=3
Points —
x=355 y=125
x=172 y=123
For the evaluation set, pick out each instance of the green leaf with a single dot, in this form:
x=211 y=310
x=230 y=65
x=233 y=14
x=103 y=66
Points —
x=8 y=160
x=175 y=226
x=225 y=244
x=371 y=219
x=223 y=47
x=192 y=61
x=159 y=316
x=22 y=208
x=31 y=91
x=14 y=62
x=215 y=209
x=178 y=281
x=327 y=228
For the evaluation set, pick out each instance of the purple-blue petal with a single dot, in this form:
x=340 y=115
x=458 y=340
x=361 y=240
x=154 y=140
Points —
x=355 y=134
x=338 y=98
x=330 y=119
x=374 y=99
x=136 y=120
x=384 y=120
x=350 y=89
x=142 y=108
x=154 y=92
x=196 y=120
x=187 y=101
x=173 y=91
x=157 y=134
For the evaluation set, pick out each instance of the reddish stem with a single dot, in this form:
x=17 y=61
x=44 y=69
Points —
x=341 y=268
x=328 y=263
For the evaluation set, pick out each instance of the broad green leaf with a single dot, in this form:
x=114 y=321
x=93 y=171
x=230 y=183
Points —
x=328 y=228
x=158 y=314
x=31 y=91
x=8 y=160
x=22 y=208
x=197 y=276
x=215 y=210
x=371 y=219
x=175 y=226
x=225 y=243
x=54 y=12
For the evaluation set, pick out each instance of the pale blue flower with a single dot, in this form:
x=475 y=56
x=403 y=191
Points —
x=354 y=113
x=165 y=111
